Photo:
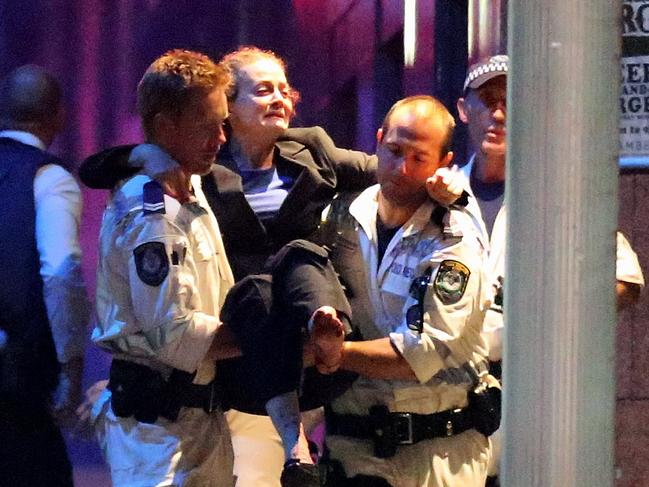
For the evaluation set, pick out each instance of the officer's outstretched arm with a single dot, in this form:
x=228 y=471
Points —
x=449 y=335
x=376 y=359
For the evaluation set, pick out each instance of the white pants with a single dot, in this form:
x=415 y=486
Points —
x=258 y=451
x=495 y=442
x=458 y=461
x=193 y=451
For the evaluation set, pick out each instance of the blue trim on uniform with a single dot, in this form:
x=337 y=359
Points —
x=153 y=198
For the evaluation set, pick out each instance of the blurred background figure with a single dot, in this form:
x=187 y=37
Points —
x=43 y=303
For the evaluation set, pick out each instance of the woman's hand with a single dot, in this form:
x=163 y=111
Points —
x=446 y=185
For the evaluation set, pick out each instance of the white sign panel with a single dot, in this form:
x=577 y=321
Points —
x=634 y=96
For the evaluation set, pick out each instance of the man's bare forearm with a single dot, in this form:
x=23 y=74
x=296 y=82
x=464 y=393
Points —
x=376 y=359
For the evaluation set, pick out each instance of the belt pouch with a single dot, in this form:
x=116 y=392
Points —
x=485 y=408
x=136 y=390
x=383 y=434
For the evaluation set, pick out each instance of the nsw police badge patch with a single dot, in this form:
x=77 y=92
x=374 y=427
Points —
x=451 y=280
x=151 y=263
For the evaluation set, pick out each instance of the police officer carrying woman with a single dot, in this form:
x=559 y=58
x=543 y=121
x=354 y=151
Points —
x=265 y=192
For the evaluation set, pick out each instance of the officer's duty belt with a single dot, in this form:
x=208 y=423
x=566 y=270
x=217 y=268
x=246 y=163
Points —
x=139 y=391
x=389 y=430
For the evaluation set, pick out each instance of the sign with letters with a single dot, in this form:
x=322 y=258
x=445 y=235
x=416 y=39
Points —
x=634 y=91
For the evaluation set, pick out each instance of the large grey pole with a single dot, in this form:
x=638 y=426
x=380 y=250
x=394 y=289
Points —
x=562 y=203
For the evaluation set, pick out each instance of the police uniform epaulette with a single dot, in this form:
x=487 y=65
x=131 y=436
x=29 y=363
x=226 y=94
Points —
x=153 y=200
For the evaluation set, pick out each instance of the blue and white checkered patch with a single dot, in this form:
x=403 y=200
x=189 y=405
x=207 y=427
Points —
x=484 y=71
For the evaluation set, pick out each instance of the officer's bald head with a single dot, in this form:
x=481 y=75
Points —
x=425 y=106
x=30 y=100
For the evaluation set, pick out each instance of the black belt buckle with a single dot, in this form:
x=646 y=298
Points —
x=402 y=423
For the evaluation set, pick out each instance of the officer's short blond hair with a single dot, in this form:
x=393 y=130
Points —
x=174 y=80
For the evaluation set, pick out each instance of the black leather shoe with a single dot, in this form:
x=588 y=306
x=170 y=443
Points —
x=296 y=474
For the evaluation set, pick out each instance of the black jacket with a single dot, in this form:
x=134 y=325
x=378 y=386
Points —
x=320 y=171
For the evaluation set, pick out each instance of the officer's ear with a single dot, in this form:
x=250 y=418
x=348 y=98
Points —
x=446 y=160
x=379 y=135
x=164 y=128
x=461 y=110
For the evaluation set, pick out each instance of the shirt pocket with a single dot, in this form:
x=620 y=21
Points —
x=399 y=276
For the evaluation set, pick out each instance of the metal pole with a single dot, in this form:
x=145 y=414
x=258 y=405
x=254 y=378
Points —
x=562 y=203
